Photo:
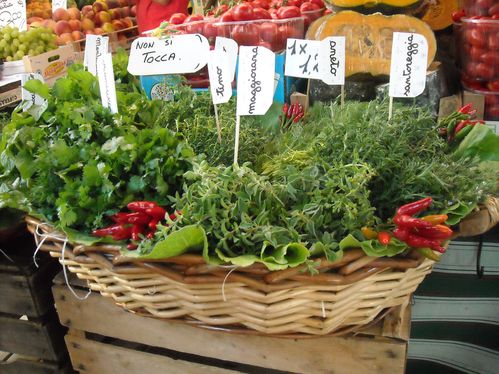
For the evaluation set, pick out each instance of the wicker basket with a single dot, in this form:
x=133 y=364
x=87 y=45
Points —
x=344 y=296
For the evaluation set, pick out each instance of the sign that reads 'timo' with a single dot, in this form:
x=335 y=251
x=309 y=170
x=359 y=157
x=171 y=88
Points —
x=178 y=54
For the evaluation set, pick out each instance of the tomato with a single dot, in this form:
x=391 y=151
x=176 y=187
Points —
x=177 y=18
x=296 y=3
x=495 y=17
x=493 y=112
x=494 y=9
x=227 y=17
x=484 y=4
x=273 y=13
x=269 y=32
x=484 y=71
x=243 y=12
x=309 y=7
x=475 y=53
x=210 y=30
x=457 y=15
x=493 y=41
x=260 y=13
x=194 y=24
x=264 y=4
x=288 y=12
x=320 y=3
x=493 y=85
x=476 y=37
x=246 y=34
x=490 y=58
x=194 y=18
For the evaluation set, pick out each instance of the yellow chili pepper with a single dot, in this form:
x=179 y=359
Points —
x=436 y=219
x=428 y=253
x=369 y=233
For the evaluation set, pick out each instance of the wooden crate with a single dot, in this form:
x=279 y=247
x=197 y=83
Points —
x=29 y=325
x=104 y=338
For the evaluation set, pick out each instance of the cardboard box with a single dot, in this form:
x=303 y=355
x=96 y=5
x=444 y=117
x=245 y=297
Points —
x=51 y=65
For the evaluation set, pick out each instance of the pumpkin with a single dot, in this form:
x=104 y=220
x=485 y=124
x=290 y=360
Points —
x=369 y=38
x=439 y=14
x=381 y=6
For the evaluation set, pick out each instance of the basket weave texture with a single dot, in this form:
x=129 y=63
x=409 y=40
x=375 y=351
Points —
x=345 y=295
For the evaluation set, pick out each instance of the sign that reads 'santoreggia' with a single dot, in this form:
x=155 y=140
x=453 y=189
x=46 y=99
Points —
x=408 y=65
x=219 y=70
x=13 y=14
x=107 y=87
x=255 y=81
x=179 y=54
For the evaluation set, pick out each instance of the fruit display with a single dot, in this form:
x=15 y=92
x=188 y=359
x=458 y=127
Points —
x=15 y=44
x=381 y=6
x=99 y=18
x=369 y=38
x=39 y=8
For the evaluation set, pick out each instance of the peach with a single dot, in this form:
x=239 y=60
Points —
x=115 y=13
x=133 y=10
x=102 y=18
x=74 y=24
x=86 y=9
x=90 y=15
x=107 y=27
x=64 y=39
x=77 y=35
x=49 y=23
x=34 y=19
x=62 y=27
x=98 y=31
x=118 y=24
x=74 y=13
x=99 y=7
x=112 y=4
x=125 y=12
x=60 y=15
x=87 y=24
x=127 y=21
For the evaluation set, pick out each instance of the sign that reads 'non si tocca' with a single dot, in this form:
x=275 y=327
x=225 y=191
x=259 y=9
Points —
x=178 y=54
x=408 y=65
x=255 y=81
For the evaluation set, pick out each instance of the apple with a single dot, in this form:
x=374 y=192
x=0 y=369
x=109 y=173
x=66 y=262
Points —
x=60 y=15
x=90 y=15
x=77 y=35
x=127 y=22
x=99 y=7
x=118 y=24
x=111 y=4
x=74 y=24
x=74 y=13
x=133 y=10
x=86 y=9
x=102 y=18
x=107 y=27
x=125 y=12
x=115 y=13
x=98 y=31
x=62 y=27
x=64 y=39
x=87 y=24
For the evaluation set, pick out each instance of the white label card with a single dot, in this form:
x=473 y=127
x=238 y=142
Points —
x=332 y=60
x=220 y=78
x=228 y=46
x=57 y=4
x=179 y=54
x=408 y=65
x=32 y=102
x=95 y=47
x=255 y=81
x=13 y=13
x=107 y=87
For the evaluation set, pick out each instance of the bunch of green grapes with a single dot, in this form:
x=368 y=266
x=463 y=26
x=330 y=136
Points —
x=15 y=44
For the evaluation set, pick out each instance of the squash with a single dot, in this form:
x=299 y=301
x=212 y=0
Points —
x=381 y=6
x=314 y=27
x=369 y=39
x=439 y=14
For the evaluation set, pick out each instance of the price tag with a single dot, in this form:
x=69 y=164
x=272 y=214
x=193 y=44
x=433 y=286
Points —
x=303 y=59
x=220 y=78
x=58 y=4
x=332 y=60
x=179 y=54
x=255 y=81
x=32 y=103
x=229 y=47
x=13 y=13
x=95 y=47
x=107 y=87
x=408 y=65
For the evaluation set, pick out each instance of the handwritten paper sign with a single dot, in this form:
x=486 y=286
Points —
x=57 y=4
x=178 y=54
x=95 y=47
x=408 y=65
x=32 y=102
x=229 y=47
x=332 y=60
x=220 y=78
x=13 y=13
x=107 y=86
x=255 y=81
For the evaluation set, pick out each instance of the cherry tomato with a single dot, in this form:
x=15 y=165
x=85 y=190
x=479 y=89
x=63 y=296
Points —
x=210 y=30
x=320 y=3
x=328 y=11
x=476 y=53
x=260 y=4
x=484 y=71
x=493 y=85
x=491 y=100
x=288 y=12
x=221 y=9
x=494 y=9
x=296 y=3
x=193 y=18
x=177 y=18
x=273 y=13
x=476 y=37
x=227 y=17
x=492 y=113
x=457 y=15
x=246 y=34
x=269 y=32
x=309 y=7
x=242 y=12
x=484 y=4
x=260 y=13
x=490 y=58
x=495 y=17
x=493 y=41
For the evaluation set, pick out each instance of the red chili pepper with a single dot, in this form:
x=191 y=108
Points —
x=126 y=233
x=298 y=117
x=466 y=109
x=415 y=207
x=132 y=246
x=150 y=235
x=407 y=222
x=291 y=108
x=285 y=108
x=436 y=219
x=174 y=216
x=118 y=230
x=298 y=108
x=141 y=206
x=120 y=217
x=416 y=241
x=384 y=238
x=156 y=213
x=440 y=232
x=138 y=218
x=136 y=231
x=152 y=225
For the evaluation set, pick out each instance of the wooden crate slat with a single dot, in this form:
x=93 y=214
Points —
x=322 y=354
x=36 y=339
x=92 y=357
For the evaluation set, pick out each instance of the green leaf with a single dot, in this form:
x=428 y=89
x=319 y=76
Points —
x=38 y=87
x=373 y=247
x=481 y=142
